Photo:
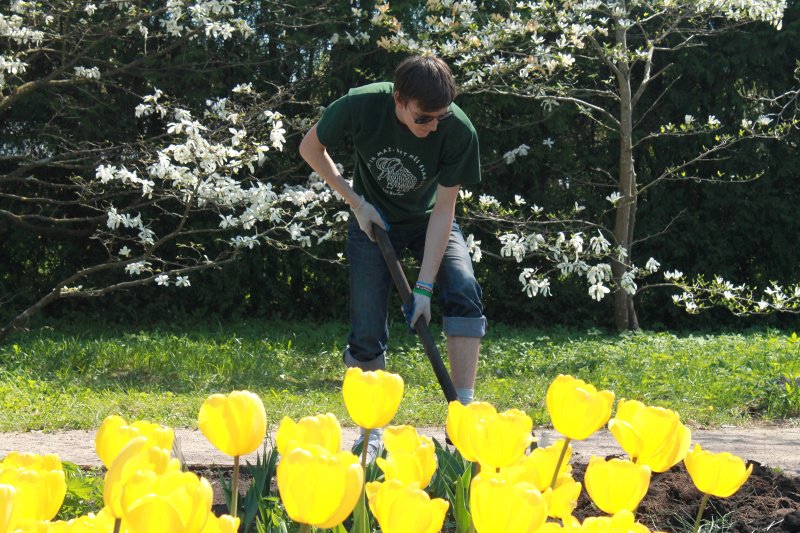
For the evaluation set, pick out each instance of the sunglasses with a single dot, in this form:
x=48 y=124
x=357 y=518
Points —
x=428 y=118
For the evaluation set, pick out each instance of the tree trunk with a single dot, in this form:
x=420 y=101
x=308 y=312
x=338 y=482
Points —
x=624 y=311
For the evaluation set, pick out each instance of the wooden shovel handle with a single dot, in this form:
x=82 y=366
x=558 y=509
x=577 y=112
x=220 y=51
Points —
x=421 y=327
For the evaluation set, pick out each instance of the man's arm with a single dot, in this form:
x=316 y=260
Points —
x=315 y=154
x=438 y=234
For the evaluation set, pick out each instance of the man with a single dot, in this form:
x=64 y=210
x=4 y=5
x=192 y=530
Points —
x=414 y=149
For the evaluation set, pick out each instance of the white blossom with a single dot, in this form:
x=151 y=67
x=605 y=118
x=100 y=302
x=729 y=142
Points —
x=598 y=291
x=136 y=268
x=674 y=275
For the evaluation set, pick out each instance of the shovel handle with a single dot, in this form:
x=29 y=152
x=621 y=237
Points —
x=421 y=327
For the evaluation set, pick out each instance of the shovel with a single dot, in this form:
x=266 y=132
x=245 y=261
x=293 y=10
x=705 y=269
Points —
x=421 y=327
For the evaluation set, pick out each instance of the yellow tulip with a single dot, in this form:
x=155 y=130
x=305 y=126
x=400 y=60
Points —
x=538 y=467
x=499 y=505
x=652 y=436
x=563 y=499
x=463 y=423
x=7 y=495
x=187 y=494
x=321 y=430
x=39 y=483
x=372 y=398
x=222 y=524
x=405 y=508
x=410 y=457
x=235 y=424
x=717 y=474
x=138 y=454
x=114 y=433
x=319 y=488
x=617 y=484
x=32 y=461
x=504 y=439
x=577 y=409
x=34 y=526
x=397 y=439
x=154 y=513
x=623 y=522
x=102 y=522
x=495 y=440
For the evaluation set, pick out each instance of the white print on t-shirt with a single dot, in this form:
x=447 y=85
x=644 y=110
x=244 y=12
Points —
x=395 y=177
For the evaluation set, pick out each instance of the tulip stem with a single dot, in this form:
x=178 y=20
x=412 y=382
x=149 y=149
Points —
x=117 y=524
x=304 y=528
x=235 y=487
x=364 y=448
x=700 y=512
x=558 y=464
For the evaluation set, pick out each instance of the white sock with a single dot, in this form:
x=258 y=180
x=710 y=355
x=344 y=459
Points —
x=465 y=396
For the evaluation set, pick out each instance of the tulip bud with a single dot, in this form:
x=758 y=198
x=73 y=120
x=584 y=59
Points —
x=563 y=498
x=39 y=483
x=576 y=408
x=138 y=454
x=319 y=488
x=498 y=505
x=652 y=436
x=321 y=430
x=114 y=433
x=411 y=457
x=404 y=508
x=148 y=495
x=235 y=424
x=372 y=398
x=223 y=524
x=616 y=485
x=621 y=521
x=717 y=474
x=7 y=495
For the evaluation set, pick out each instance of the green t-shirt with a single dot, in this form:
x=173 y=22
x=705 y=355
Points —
x=395 y=170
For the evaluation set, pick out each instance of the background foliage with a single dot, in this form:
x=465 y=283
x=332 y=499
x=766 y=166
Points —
x=745 y=231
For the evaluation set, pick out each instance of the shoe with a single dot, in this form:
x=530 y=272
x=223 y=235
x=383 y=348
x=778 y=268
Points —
x=374 y=445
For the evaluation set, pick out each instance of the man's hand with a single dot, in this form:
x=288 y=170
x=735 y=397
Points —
x=367 y=215
x=420 y=305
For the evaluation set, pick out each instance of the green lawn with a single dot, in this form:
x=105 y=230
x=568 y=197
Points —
x=73 y=377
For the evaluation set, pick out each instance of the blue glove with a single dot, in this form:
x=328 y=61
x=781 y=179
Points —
x=420 y=305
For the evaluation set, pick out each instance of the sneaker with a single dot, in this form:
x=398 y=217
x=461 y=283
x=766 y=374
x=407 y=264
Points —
x=374 y=445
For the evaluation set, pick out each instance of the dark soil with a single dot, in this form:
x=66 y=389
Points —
x=768 y=501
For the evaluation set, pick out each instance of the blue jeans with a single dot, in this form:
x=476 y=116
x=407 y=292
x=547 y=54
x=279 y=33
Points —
x=371 y=286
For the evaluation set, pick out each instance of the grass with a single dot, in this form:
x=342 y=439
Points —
x=73 y=377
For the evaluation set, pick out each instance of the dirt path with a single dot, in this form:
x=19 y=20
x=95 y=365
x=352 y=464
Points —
x=773 y=446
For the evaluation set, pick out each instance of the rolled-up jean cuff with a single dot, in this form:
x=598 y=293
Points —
x=456 y=326
x=379 y=363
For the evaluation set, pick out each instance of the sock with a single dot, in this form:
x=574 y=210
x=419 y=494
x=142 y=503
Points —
x=465 y=396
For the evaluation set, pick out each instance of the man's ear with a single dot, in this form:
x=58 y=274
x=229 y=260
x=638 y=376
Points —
x=397 y=100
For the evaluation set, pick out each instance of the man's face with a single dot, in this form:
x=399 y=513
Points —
x=420 y=123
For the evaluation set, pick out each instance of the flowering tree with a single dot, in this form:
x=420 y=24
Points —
x=608 y=59
x=185 y=190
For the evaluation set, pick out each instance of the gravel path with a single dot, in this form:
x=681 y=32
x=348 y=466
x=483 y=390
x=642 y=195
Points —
x=774 y=446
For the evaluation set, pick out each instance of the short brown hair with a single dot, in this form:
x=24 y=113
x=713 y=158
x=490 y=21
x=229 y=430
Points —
x=427 y=80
